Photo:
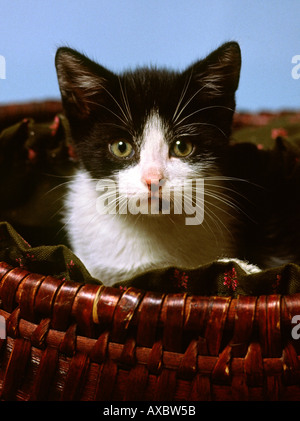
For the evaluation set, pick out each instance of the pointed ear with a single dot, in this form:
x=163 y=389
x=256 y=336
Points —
x=81 y=81
x=218 y=74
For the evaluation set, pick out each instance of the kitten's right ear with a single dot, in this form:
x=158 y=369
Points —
x=219 y=72
x=81 y=81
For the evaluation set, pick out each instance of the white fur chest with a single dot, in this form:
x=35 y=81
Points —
x=118 y=247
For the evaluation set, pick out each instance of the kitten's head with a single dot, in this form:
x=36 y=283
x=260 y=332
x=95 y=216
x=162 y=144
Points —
x=150 y=126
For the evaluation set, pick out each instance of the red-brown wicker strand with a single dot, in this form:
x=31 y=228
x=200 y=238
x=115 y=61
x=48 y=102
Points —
x=67 y=341
x=38 y=110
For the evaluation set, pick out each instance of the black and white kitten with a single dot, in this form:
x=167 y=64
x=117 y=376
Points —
x=149 y=131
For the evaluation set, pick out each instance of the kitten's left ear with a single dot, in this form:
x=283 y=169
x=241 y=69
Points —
x=82 y=82
x=219 y=72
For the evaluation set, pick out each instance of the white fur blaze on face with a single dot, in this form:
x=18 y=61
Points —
x=138 y=181
x=155 y=160
x=154 y=151
x=156 y=172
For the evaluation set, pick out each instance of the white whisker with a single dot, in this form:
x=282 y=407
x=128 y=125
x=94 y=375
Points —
x=203 y=124
x=116 y=115
x=183 y=93
x=118 y=105
x=126 y=102
x=203 y=109
x=187 y=103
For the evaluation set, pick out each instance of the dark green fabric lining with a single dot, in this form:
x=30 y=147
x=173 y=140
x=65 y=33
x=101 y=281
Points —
x=57 y=261
x=227 y=279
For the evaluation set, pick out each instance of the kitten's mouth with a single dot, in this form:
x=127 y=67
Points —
x=157 y=202
x=154 y=196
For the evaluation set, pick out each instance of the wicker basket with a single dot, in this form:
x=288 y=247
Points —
x=67 y=341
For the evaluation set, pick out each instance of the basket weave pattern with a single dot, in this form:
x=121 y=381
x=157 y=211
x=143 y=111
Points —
x=67 y=341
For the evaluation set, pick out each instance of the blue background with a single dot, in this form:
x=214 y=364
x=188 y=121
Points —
x=173 y=33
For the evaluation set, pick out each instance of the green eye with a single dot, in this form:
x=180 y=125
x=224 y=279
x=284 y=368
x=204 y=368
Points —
x=121 y=149
x=182 y=148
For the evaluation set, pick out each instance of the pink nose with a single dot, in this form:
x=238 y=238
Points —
x=152 y=183
x=153 y=178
